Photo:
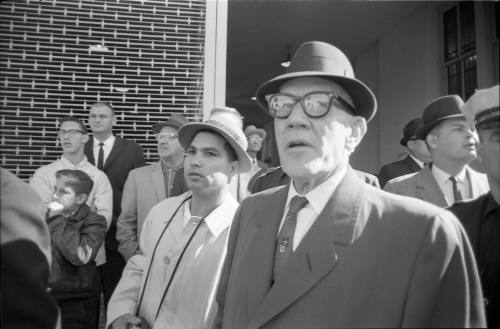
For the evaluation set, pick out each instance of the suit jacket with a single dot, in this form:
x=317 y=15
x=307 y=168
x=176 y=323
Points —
x=371 y=259
x=423 y=185
x=273 y=177
x=398 y=168
x=474 y=216
x=143 y=189
x=26 y=258
x=124 y=156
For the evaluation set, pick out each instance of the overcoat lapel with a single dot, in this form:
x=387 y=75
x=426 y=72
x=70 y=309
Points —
x=262 y=243
x=89 y=150
x=412 y=164
x=316 y=256
x=158 y=181
x=428 y=189
x=118 y=147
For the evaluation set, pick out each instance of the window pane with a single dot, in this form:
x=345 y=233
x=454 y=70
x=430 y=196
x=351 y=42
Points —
x=450 y=28
x=470 y=76
x=467 y=30
x=455 y=79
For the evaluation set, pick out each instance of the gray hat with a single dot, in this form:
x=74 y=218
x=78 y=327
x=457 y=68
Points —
x=482 y=108
x=234 y=137
x=176 y=120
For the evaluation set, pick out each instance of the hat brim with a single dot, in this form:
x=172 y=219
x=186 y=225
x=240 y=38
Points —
x=403 y=141
x=426 y=128
x=187 y=132
x=364 y=100
x=261 y=132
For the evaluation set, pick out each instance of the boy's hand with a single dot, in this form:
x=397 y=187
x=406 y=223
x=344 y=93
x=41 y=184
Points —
x=54 y=208
x=129 y=321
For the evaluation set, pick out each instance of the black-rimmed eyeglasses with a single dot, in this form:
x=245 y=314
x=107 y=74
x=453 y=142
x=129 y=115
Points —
x=316 y=104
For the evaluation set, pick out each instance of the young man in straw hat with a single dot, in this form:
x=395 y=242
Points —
x=480 y=217
x=452 y=145
x=184 y=238
x=328 y=250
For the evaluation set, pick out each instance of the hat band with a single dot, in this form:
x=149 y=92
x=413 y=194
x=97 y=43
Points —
x=487 y=114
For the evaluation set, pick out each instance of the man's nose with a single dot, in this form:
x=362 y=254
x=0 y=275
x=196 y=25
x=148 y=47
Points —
x=297 y=117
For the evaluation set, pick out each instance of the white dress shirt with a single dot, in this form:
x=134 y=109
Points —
x=444 y=182
x=106 y=148
x=101 y=196
x=317 y=199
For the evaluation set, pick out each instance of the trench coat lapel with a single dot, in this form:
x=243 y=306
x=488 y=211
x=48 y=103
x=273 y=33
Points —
x=118 y=147
x=158 y=181
x=428 y=189
x=338 y=224
x=414 y=167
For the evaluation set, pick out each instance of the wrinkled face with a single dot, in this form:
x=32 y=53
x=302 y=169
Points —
x=312 y=148
x=254 y=142
x=72 y=138
x=169 y=147
x=454 y=140
x=418 y=149
x=207 y=166
x=489 y=152
x=65 y=195
x=101 y=119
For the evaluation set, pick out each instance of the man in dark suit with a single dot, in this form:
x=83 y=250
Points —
x=116 y=157
x=417 y=156
x=328 y=250
x=481 y=217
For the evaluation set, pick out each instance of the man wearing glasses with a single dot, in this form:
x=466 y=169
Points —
x=73 y=136
x=328 y=250
x=146 y=186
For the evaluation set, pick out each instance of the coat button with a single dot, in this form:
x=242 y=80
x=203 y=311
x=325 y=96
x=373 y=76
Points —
x=166 y=260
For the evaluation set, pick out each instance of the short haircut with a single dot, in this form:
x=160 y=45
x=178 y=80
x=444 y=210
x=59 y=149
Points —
x=69 y=118
x=104 y=104
x=229 y=149
x=78 y=180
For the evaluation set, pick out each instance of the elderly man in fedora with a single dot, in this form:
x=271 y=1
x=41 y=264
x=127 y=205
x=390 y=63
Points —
x=480 y=217
x=148 y=185
x=452 y=145
x=184 y=238
x=417 y=156
x=328 y=250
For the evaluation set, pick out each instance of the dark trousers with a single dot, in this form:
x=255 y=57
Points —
x=111 y=272
x=75 y=313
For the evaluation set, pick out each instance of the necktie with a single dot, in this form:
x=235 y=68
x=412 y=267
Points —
x=100 y=157
x=284 y=245
x=457 y=195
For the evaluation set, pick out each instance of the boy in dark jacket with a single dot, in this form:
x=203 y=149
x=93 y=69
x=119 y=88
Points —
x=76 y=235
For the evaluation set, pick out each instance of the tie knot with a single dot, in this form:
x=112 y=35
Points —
x=453 y=179
x=297 y=203
x=101 y=144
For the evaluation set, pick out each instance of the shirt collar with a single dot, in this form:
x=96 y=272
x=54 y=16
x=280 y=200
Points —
x=443 y=177
x=319 y=196
x=69 y=163
x=108 y=142
x=418 y=161
x=220 y=218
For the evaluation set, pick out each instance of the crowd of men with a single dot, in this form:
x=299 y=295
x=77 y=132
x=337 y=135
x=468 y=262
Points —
x=210 y=237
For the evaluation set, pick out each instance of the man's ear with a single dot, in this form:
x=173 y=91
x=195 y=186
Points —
x=85 y=138
x=115 y=120
x=432 y=141
x=81 y=198
x=358 y=130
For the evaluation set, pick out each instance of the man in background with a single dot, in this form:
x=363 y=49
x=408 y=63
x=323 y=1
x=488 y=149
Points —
x=452 y=145
x=148 y=185
x=481 y=216
x=255 y=138
x=417 y=157
x=115 y=156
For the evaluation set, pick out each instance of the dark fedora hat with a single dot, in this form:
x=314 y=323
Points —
x=410 y=130
x=320 y=59
x=440 y=109
x=176 y=120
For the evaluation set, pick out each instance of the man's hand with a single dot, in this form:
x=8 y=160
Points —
x=129 y=321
